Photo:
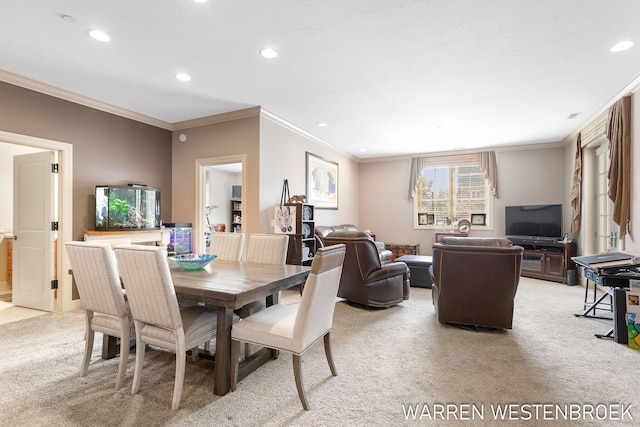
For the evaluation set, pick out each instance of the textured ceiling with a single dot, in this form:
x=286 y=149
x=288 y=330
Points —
x=394 y=77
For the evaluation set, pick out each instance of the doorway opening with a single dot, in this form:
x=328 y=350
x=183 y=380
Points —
x=217 y=182
x=63 y=300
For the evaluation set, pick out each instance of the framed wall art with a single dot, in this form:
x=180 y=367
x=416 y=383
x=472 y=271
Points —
x=478 y=219
x=322 y=182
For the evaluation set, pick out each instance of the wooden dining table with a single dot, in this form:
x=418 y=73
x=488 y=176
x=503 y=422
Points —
x=229 y=285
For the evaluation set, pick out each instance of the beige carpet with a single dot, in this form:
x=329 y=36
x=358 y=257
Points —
x=385 y=359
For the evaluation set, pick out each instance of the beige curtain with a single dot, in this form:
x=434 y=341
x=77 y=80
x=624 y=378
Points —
x=576 y=188
x=618 y=133
x=489 y=166
x=486 y=160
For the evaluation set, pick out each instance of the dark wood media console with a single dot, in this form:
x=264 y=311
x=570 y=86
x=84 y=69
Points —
x=548 y=260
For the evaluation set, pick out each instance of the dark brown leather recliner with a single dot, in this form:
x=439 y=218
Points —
x=322 y=231
x=475 y=281
x=364 y=279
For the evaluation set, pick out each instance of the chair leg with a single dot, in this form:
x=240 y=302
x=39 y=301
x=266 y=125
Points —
x=88 y=345
x=125 y=342
x=235 y=360
x=327 y=352
x=181 y=361
x=297 y=373
x=137 y=373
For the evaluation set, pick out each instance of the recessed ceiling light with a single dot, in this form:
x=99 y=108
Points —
x=267 y=52
x=322 y=124
x=573 y=116
x=184 y=77
x=99 y=35
x=200 y=1
x=68 y=18
x=623 y=45
x=362 y=150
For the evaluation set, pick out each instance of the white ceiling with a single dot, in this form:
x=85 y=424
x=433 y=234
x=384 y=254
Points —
x=394 y=77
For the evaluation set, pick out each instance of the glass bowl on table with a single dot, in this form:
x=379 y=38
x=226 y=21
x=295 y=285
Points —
x=193 y=261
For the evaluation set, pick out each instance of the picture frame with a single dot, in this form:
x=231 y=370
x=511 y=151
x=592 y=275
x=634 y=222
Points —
x=478 y=219
x=322 y=182
x=426 y=218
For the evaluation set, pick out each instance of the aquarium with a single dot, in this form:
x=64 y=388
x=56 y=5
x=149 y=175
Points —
x=179 y=238
x=127 y=208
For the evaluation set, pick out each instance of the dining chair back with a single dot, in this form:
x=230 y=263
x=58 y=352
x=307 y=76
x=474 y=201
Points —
x=158 y=318
x=267 y=248
x=264 y=249
x=227 y=246
x=93 y=265
x=294 y=328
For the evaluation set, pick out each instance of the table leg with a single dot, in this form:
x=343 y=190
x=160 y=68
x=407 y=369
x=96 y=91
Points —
x=593 y=306
x=109 y=346
x=222 y=367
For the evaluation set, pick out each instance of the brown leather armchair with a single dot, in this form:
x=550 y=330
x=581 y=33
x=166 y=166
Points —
x=364 y=279
x=475 y=281
x=322 y=231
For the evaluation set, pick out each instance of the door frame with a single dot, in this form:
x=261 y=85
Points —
x=589 y=205
x=63 y=300
x=199 y=244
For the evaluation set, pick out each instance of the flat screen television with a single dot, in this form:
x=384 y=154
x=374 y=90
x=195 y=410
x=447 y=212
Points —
x=535 y=222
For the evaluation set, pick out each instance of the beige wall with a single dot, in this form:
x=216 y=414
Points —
x=283 y=156
x=107 y=149
x=525 y=177
x=227 y=138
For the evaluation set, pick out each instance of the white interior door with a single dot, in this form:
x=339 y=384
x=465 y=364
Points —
x=33 y=214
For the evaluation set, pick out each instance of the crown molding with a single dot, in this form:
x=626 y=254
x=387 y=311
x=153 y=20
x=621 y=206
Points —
x=217 y=118
x=497 y=149
x=629 y=89
x=46 y=89
x=290 y=126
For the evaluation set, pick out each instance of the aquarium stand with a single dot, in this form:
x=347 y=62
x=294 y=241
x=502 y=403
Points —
x=159 y=237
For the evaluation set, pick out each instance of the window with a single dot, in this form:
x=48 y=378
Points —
x=446 y=195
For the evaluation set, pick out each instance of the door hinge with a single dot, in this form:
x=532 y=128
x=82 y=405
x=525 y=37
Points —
x=54 y=225
x=54 y=284
x=54 y=167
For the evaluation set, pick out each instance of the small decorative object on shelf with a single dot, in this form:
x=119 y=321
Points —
x=236 y=216
x=302 y=241
x=464 y=225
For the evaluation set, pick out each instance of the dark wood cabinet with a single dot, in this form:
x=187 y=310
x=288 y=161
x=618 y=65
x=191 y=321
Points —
x=548 y=261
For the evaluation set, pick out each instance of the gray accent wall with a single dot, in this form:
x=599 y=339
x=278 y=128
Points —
x=107 y=149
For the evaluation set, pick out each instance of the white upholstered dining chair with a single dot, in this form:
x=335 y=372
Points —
x=156 y=314
x=227 y=246
x=94 y=270
x=294 y=328
x=267 y=248
x=264 y=249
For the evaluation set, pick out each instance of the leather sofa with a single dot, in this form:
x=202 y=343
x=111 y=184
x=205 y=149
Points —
x=475 y=281
x=365 y=280
x=322 y=231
